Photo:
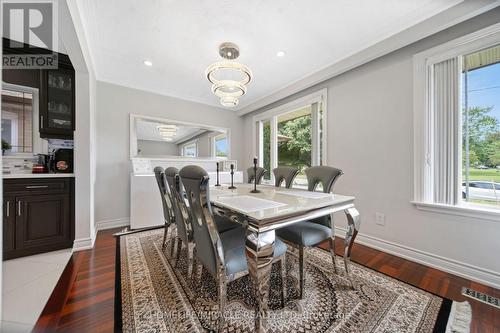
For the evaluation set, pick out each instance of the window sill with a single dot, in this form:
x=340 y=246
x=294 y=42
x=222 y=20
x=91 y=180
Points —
x=486 y=213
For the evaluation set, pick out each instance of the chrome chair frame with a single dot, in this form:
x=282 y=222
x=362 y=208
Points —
x=202 y=214
x=167 y=202
x=182 y=219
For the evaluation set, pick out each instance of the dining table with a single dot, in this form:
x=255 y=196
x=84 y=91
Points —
x=272 y=208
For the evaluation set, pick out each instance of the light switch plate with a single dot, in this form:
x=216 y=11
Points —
x=379 y=218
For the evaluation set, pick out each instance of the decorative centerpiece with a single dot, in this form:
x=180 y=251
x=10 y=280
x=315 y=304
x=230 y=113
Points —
x=232 y=187
x=218 y=184
x=255 y=190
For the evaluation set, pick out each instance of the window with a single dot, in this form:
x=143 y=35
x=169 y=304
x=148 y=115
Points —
x=220 y=145
x=457 y=126
x=190 y=149
x=17 y=121
x=292 y=135
x=481 y=126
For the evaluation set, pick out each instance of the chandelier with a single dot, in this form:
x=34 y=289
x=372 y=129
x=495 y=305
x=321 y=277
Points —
x=229 y=78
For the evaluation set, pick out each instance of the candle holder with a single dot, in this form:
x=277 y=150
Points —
x=232 y=187
x=218 y=184
x=255 y=190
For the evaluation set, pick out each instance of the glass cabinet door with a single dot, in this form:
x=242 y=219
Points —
x=59 y=100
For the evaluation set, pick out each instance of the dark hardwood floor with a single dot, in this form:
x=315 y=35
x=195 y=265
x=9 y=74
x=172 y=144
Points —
x=83 y=300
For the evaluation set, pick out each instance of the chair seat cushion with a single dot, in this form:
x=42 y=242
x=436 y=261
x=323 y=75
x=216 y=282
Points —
x=233 y=243
x=224 y=224
x=305 y=233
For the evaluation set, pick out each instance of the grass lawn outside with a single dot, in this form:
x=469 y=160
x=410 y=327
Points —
x=485 y=175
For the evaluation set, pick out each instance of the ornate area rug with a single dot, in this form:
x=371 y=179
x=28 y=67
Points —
x=155 y=294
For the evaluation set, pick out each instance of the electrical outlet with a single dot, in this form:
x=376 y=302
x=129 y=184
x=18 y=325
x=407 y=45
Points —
x=379 y=218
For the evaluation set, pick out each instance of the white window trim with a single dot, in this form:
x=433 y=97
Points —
x=315 y=97
x=195 y=142
x=422 y=117
x=213 y=150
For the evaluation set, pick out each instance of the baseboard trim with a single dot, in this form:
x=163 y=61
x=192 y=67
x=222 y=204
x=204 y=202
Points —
x=471 y=272
x=110 y=224
x=83 y=244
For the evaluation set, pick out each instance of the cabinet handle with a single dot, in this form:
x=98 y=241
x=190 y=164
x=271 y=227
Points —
x=8 y=208
x=19 y=208
x=41 y=121
x=37 y=186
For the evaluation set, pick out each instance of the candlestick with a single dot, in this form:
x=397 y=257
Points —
x=217 y=175
x=232 y=187
x=255 y=190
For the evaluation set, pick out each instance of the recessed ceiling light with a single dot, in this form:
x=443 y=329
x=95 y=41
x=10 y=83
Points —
x=280 y=53
x=148 y=63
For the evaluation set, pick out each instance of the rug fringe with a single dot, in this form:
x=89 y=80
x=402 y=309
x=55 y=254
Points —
x=460 y=318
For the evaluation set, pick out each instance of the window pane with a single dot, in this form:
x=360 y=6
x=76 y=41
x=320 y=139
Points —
x=190 y=150
x=220 y=145
x=17 y=121
x=481 y=127
x=294 y=142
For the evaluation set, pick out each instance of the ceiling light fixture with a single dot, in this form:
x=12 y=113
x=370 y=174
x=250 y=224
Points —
x=280 y=53
x=228 y=77
x=148 y=63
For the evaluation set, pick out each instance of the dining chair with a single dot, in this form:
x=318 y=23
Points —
x=182 y=219
x=286 y=174
x=221 y=253
x=310 y=233
x=260 y=174
x=166 y=201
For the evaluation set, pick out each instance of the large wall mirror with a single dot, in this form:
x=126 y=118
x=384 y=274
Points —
x=156 y=137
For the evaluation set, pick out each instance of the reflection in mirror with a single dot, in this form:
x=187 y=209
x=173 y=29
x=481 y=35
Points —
x=156 y=137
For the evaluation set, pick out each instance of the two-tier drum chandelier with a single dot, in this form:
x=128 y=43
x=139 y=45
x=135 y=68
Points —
x=229 y=78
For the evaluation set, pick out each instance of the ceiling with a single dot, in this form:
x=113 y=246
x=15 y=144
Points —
x=181 y=39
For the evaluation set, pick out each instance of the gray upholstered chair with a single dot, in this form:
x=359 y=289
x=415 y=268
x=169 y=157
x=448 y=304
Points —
x=260 y=174
x=311 y=233
x=286 y=174
x=222 y=254
x=182 y=218
x=166 y=201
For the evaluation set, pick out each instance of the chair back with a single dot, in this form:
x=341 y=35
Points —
x=286 y=174
x=165 y=194
x=182 y=220
x=208 y=245
x=260 y=174
x=324 y=175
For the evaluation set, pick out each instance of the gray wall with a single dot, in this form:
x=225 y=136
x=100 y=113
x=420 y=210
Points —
x=157 y=148
x=370 y=137
x=114 y=104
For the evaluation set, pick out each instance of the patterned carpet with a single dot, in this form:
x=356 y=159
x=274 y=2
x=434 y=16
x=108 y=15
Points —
x=155 y=295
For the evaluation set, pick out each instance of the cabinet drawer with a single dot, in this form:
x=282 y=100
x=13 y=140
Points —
x=36 y=186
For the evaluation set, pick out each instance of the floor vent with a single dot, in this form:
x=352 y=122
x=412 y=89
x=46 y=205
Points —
x=479 y=296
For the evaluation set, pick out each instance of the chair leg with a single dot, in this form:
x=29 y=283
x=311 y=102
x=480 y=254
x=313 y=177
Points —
x=302 y=272
x=283 y=280
x=194 y=265
x=191 y=252
x=179 y=248
x=165 y=236
x=222 y=302
x=331 y=241
x=172 y=248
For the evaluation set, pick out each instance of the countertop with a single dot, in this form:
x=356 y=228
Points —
x=37 y=175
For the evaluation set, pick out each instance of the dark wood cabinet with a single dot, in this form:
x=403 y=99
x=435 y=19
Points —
x=38 y=215
x=57 y=102
x=9 y=224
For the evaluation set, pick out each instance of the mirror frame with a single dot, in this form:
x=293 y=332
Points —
x=133 y=136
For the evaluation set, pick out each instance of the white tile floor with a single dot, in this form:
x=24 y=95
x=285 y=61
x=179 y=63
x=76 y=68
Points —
x=27 y=285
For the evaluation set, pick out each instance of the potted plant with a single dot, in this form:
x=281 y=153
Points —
x=5 y=146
